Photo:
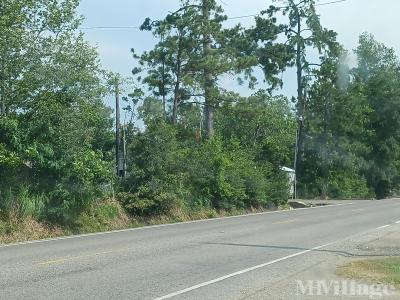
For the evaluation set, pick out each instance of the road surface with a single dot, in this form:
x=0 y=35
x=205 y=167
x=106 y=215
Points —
x=211 y=259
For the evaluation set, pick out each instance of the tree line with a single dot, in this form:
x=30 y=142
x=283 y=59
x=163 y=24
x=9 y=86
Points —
x=191 y=143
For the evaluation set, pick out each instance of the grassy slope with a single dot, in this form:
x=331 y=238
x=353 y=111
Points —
x=104 y=216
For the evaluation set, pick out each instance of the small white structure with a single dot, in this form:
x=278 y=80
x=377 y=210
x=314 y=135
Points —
x=291 y=174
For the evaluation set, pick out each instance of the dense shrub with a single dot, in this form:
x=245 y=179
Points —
x=172 y=171
x=22 y=203
x=100 y=216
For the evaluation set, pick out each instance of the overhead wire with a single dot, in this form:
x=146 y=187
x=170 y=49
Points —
x=231 y=18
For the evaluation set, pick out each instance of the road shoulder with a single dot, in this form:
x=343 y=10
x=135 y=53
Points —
x=319 y=279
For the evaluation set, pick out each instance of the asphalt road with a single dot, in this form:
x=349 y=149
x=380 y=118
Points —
x=197 y=260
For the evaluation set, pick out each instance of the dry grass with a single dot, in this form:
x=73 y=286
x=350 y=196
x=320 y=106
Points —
x=18 y=231
x=104 y=216
x=385 y=271
x=202 y=214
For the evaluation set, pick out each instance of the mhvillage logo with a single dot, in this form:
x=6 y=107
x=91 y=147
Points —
x=341 y=288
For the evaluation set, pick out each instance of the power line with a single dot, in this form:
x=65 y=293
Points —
x=242 y=17
x=332 y=2
x=231 y=18
x=318 y=4
x=109 y=27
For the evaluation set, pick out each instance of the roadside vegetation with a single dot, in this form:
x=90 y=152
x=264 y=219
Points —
x=382 y=271
x=194 y=149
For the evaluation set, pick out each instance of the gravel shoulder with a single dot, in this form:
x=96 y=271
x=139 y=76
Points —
x=376 y=244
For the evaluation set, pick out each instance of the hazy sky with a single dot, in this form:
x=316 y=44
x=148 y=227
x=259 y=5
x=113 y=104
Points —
x=349 y=19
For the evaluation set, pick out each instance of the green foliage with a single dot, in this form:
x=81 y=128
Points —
x=90 y=169
x=194 y=51
x=22 y=203
x=199 y=148
x=354 y=126
x=349 y=186
x=378 y=74
x=100 y=216
x=228 y=176
x=55 y=133
x=157 y=171
x=9 y=158
x=172 y=169
x=266 y=125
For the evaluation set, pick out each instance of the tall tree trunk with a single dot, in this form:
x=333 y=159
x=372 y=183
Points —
x=2 y=93
x=2 y=85
x=163 y=77
x=178 y=81
x=176 y=102
x=208 y=79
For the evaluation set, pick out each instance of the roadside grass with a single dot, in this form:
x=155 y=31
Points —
x=383 y=271
x=14 y=230
x=103 y=216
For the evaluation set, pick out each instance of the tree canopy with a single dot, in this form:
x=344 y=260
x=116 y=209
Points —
x=190 y=143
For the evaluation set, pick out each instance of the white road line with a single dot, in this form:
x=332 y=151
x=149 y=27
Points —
x=384 y=226
x=165 y=225
x=398 y=222
x=197 y=286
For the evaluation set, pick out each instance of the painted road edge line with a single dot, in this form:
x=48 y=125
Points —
x=197 y=286
x=398 y=222
x=384 y=226
x=165 y=225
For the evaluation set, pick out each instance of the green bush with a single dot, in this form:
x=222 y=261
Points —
x=22 y=203
x=104 y=215
x=348 y=187
x=229 y=176
x=170 y=174
x=156 y=197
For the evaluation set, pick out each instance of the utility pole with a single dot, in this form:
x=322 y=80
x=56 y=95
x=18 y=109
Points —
x=117 y=128
x=3 y=66
x=124 y=151
x=295 y=165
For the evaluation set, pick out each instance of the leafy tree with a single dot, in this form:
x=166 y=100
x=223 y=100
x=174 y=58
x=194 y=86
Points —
x=30 y=33
x=222 y=53
x=377 y=74
x=304 y=32
x=338 y=115
x=265 y=125
x=353 y=124
x=56 y=133
x=273 y=57
x=194 y=51
x=170 y=66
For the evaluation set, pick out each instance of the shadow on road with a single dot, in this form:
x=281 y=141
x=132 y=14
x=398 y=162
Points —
x=341 y=253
